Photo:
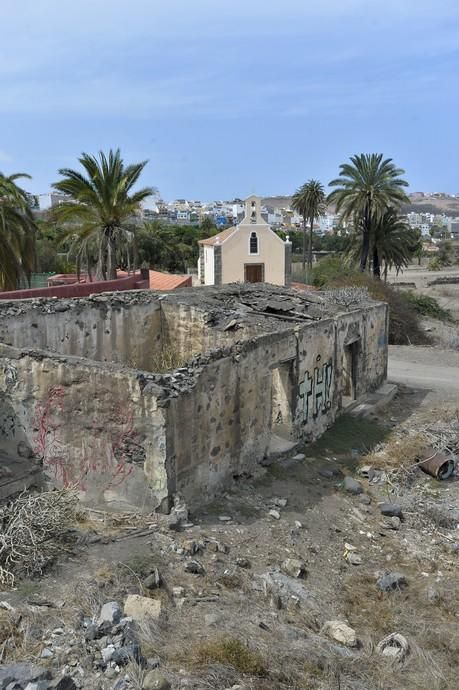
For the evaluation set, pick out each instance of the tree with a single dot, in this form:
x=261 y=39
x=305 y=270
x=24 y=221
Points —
x=17 y=233
x=394 y=244
x=365 y=189
x=309 y=202
x=101 y=208
x=168 y=247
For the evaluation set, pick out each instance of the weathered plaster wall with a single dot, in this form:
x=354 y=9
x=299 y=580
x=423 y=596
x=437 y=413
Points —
x=227 y=416
x=91 y=426
x=101 y=328
x=130 y=439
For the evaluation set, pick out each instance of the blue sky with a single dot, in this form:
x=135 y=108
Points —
x=230 y=97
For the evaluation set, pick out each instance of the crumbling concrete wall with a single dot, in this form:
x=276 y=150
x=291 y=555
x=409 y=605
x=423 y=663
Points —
x=102 y=328
x=226 y=416
x=90 y=425
x=271 y=365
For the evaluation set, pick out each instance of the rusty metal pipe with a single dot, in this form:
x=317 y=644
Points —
x=438 y=465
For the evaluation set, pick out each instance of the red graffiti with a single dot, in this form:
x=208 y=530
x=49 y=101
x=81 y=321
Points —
x=104 y=453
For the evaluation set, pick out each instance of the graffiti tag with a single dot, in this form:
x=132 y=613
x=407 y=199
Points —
x=315 y=391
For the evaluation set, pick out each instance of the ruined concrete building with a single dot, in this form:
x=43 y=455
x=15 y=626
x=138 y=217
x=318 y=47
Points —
x=133 y=396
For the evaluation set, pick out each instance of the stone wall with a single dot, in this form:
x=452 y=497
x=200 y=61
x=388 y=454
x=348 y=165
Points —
x=90 y=425
x=227 y=416
x=101 y=328
x=129 y=438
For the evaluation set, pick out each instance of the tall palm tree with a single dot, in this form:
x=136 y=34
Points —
x=394 y=244
x=309 y=202
x=101 y=204
x=366 y=188
x=17 y=233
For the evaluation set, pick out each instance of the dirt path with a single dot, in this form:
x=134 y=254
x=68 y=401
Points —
x=425 y=367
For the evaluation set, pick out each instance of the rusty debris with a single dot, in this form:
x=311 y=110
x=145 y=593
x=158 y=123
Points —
x=437 y=464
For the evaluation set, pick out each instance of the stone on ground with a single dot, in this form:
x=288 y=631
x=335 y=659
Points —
x=352 y=486
x=340 y=632
x=142 y=608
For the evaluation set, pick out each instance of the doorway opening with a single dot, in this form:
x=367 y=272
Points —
x=350 y=363
x=282 y=401
x=254 y=273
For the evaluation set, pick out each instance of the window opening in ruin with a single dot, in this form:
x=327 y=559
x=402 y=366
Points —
x=350 y=360
x=253 y=243
x=282 y=400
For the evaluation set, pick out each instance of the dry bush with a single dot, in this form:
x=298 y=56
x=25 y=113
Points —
x=229 y=651
x=168 y=359
x=32 y=531
x=18 y=636
x=397 y=452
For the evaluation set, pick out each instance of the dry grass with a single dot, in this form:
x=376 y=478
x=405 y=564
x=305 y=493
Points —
x=398 y=452
x=229 y=651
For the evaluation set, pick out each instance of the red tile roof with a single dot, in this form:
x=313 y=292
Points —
x=168 y=281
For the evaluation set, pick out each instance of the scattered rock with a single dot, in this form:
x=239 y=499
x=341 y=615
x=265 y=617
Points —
x=391 y=510
x=22 y=673
x=110 y=613
x=365 y=500
x=154 y=680
x=194 y=567
x=153 y=581
x=395 y=522
x=299 y=456
x=243 y=563
x=354 y=558
x=211 y=619
x=294 y=568
x=395 y=646
x=64 y=683
x=352 y=486
x=280 y=502
x=46 y=653
x=274 y=514
x=391 y=581
x=225 y=518
x=298 y=524
x=340 y=632
x=142 y=608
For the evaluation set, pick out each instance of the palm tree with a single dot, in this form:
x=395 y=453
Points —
x=17 y=233
x=366 y=188
x=309 y=202
x=394 y=244
x=100 y=207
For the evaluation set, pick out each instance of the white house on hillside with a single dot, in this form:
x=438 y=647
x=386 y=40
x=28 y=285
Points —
x=249 y=252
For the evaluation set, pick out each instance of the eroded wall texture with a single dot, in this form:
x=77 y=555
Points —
x=79 y=396
x=89 y=425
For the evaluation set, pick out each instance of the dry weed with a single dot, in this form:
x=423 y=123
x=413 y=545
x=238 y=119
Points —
x=229 y=651
x=399 y=451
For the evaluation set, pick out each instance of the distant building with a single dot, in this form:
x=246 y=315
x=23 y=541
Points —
x=47 y=201
x=249 y=252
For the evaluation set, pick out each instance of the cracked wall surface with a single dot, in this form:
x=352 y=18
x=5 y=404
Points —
x=86 y=395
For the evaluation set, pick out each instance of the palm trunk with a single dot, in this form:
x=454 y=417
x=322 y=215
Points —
x=304 y=244
x=365 y=250
x=366 y=238
x=376 y=264
x=310 y=246
x=111 y=256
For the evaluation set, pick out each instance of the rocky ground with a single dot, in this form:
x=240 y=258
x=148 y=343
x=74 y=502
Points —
x=334 y=569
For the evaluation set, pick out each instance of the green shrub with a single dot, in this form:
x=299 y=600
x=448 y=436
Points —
x=404 y=324
x=428 y=306
x=329 y=269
